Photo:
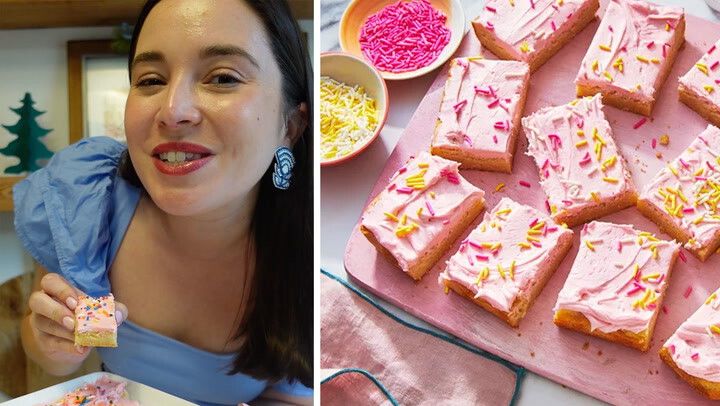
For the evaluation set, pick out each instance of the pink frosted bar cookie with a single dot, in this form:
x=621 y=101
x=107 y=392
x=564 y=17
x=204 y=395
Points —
x=616 y=285
x=531 y=30
x=103 y=392
x=505 y=262
x=699 y=88
x=423 y=210
x=683 y=198
x=631 y=54
x=95 y=324
x=581 y=171
x=480 y=113
x=693 y=351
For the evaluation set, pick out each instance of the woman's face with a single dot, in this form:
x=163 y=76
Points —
x=205 y=93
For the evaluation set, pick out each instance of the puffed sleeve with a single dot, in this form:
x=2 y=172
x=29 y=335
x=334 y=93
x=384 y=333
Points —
x=67 y=215
x=295 y=389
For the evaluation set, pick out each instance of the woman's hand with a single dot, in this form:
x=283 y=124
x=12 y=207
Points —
x=52 y=320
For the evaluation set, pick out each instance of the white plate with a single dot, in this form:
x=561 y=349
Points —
x=144 y=394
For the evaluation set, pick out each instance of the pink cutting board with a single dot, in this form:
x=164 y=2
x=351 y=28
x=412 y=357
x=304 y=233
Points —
x=604 y=370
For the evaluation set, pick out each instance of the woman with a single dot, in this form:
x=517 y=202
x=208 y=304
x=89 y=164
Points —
x=201 y=227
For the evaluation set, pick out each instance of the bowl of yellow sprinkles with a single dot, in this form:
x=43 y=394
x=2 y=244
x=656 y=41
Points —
x=353 y=106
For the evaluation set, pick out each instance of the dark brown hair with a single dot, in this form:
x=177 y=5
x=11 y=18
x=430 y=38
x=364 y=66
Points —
x=277 y=326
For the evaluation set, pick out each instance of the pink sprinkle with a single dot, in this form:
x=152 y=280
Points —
x=534 y=222
x=610 y=28
x=532 y=4
x=547 y=205
x=551 y=229
x=650 y=44
x=495 y=139
x=689 y=210
x=446 y=222
x=502 y=125
x=586 y=159
x=712 y=168
x=567 y=202
x=670 y=24
x=429 y=207
x=695 y=356
x=557 y=143
x=685 y=164
x=712 y=48
x=639 y=123
x=482 y=257
x=687 y=292
x=405 y=190
x=663 y=49
x=654 y=143
x=490 y=26
x=638 y=275
x=537 y=244
x=468 y=140
x=546 y=163
x=402 y=170
x=715 y=65
x=459 y=106
x=672 y=349
x=482 y=91
x=682 y=256
x=665 y=310
x=660 y=279
x=702 y=178
x=524 y=183
x=570 y=16
x=475 y=245
x=391 y=187
x=491 y=9
x=580 y=122
x=619 y=246
x=552 y=24
x=451 y=176
x=652 y=306
x=404 y=36
x=494 y=103
x=547 y=173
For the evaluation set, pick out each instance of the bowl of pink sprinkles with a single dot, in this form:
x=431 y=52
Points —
x=403 y=39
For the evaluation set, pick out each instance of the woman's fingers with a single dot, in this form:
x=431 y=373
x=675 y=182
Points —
x=42 y=304
x=62 y=348
x=57 y=287
x=50 y=327
x=121 y=312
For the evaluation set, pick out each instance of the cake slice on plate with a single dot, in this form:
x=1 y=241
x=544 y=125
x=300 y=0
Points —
x=531 y=30
x=699 y=88
x=683 y=197
x=480 y=113
x=631 y=54
x=581 y=170
x=505 y=262
x=418 y=216
x=616 y=285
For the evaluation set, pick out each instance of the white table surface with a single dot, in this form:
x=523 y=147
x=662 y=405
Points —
x=344 y=188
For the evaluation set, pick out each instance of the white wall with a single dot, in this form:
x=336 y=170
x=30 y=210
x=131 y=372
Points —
x=35 y=61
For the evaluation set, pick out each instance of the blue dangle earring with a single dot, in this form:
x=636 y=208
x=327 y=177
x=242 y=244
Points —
x=284 y=162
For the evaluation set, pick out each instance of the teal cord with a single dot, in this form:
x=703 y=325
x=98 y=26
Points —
x=516 y=369
x=369 y=376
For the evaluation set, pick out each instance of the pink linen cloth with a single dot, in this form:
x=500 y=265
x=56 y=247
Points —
x=416 y=368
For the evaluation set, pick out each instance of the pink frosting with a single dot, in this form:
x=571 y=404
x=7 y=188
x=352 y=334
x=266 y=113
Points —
x=695 y=346
x=603 y=283
x=102 y=392
x=563 y=143
x=703 y=78
x=480 y=100
x=96 y=314
x=527 y=26
x=441 y=201
x=698 y=180
x=637 y=33
x=509 y=224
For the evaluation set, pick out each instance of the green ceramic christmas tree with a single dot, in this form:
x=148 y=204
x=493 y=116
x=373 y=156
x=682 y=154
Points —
x=27 y=147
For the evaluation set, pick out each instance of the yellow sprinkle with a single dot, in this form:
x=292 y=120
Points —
x=483 y=227
x=642 y=58
x=595 y=65
x=715 y=329
x=595 y=197
x=605 y=48
x=581 y=133
x=501 y=271
x=524 y=245
x=446 y=289
x=590 y=245
x=475 y=58
x=618 y=64
x=553 y=209
x=512 y=3
x=699 y=219
x=699 y=172
x=432 y=194
x=404 y=219
x=534 y=232
x=610 y=180
x=667 y=27
x=637 y=269
x=525 y=47
x=581 y=143
x=610 y=161
x=503 y=211
x=651 y=276
x=711 y=298
x=512 y=270
x=673 y=170
x=655 y=60
x=531 y=238
x=709 y=88
x=703 y=68
x=538 y=226
x=423 y=165
x=608 y=76
x=419 y=211
x=499 y=187
x=560 y=2
x=391 y=217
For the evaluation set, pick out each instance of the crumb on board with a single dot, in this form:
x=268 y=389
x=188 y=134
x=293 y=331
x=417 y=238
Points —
x=599 y=353
x=532 y=354
x=586 y=345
